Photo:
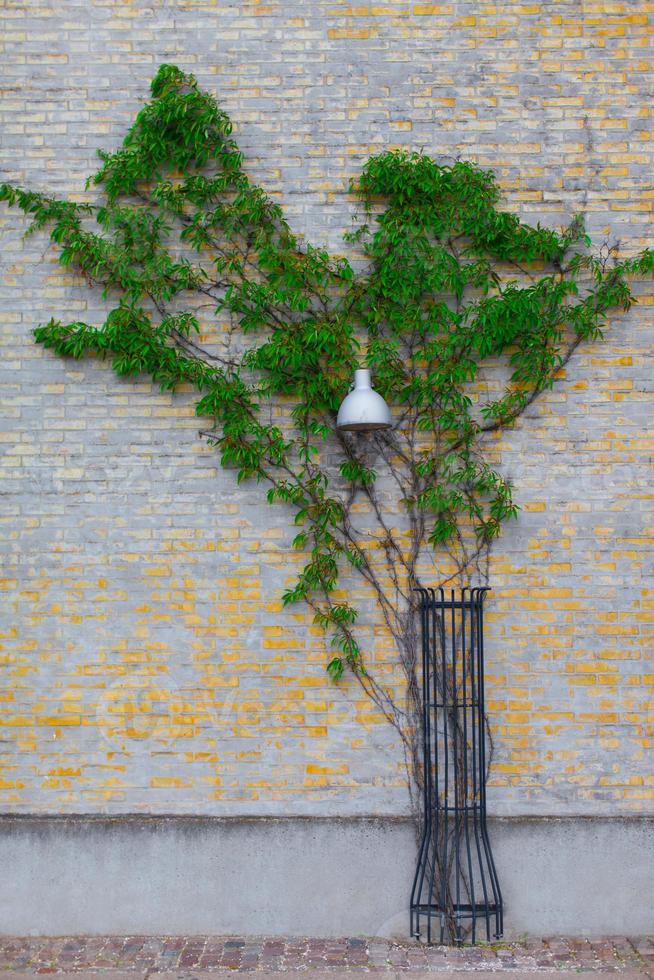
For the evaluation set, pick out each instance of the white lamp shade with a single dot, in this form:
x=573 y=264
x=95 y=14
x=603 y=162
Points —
x=363 y=410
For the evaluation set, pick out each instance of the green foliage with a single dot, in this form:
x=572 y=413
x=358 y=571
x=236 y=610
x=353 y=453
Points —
x=181 y=219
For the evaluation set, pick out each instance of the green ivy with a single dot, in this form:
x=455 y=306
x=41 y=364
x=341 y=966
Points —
x=181 y=218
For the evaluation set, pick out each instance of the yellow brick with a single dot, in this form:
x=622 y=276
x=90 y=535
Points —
x=60 y=721
x=431 y=9
x=168 y=782
x=315 y=770
x=348 y=33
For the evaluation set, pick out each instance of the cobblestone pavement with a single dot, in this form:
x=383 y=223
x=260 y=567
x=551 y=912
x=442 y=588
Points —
x=188 y=956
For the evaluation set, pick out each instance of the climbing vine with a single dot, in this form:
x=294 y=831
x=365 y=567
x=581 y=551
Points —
x=441 y=282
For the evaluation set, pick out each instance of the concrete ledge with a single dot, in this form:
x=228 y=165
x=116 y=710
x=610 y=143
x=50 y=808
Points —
x=306 y=876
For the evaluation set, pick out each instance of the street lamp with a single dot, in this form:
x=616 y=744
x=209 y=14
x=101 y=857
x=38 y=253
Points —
x=363 y=409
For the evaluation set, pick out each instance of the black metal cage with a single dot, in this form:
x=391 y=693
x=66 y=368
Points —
x=456 y=888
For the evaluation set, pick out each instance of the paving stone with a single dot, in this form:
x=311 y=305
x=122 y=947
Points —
x=186 y=958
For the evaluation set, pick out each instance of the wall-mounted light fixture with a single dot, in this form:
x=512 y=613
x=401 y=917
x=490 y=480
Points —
x=363 y=410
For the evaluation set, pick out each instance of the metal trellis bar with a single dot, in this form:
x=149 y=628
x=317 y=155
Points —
x=455 y=887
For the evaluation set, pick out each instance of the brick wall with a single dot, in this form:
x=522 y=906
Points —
x=146 y=662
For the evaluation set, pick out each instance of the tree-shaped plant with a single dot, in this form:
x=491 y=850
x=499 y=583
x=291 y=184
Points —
x=444 y=281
